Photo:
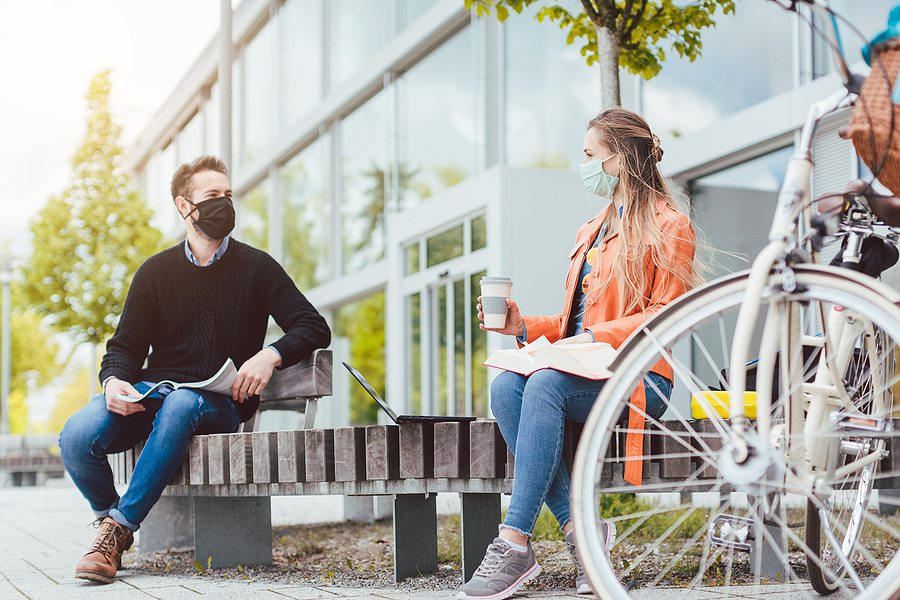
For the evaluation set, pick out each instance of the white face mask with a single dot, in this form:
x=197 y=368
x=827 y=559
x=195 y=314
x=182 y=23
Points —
x=596 y=180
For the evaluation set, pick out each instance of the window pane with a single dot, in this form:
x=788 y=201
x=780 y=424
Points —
x=159 y=193
x=362 y=156
x=551 y=94
x=302 y=62
x=459 y=346
x=237 y=118
x=735 y=207
x=362 y=322
x=410 y=10
x=412 y=259
x=436 y=153
x=444 y=246
x=479 y=352
x=479 y=232
x=212 y=116
x=306 y=215
x=258 y=92
x=440 y=400
x=414 y=352
x=358 y=29
x=746 y=59
x=190 y=140
x=254 y=216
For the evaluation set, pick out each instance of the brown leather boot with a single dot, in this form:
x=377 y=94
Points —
x=105 y=556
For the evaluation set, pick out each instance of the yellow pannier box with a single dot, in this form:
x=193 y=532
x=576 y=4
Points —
x=719 y=402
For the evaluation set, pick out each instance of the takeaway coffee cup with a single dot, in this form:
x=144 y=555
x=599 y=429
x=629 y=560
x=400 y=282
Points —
x=494 y=292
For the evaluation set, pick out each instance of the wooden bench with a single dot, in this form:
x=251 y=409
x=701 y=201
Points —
x=219 y=501
x=27 y=460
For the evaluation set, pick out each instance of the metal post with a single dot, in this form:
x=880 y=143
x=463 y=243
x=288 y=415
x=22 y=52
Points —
x=225 y=60
x=5 y=279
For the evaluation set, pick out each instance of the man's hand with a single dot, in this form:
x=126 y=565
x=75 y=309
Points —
x=117 y=387
x=254 y=374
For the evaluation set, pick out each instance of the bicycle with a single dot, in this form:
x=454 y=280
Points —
x=798 y=440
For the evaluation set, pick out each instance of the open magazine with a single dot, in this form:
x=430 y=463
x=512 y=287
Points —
x=220 y=383
x=585 y=360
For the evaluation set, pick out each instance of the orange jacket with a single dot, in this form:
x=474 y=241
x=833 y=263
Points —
x=601 y=313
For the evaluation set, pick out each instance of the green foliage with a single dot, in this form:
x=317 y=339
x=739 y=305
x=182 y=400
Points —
x=33 y=355
x=255 y=217
x=643 y=29
x=74 y=396
x=546 y=528
x=89 y=240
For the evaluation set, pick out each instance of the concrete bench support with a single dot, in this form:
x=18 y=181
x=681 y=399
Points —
x=232 y=531
x=479 y=516
x=169 y=526
x=415 y=535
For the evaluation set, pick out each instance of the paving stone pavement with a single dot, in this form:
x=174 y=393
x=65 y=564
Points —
x=45 y=530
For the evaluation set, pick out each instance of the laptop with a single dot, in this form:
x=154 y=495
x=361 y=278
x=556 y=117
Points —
x=398 y=419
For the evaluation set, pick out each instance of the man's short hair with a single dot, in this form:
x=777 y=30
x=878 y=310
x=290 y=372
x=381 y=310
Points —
x=182 y=181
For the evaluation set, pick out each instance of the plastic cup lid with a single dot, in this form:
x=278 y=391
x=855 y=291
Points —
x=496 y=281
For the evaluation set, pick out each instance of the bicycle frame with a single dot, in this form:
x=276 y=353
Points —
x=788 y=236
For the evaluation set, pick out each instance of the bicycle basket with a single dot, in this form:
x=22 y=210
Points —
x=870 y=124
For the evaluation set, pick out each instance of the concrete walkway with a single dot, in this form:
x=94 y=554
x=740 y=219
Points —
x=45 y=530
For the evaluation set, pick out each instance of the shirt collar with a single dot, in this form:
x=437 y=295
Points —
x=216 y=256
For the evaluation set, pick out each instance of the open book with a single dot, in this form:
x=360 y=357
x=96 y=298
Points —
x=220 y=382
x=585 y=360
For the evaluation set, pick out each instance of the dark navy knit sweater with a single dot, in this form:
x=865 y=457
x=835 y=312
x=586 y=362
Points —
x=191 y=319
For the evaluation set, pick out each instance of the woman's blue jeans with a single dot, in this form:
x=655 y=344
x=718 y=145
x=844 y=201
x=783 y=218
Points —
x=548 y=399
x=167 y=423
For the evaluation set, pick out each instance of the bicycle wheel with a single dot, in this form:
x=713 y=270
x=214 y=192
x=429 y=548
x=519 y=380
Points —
x=869 y=380
x=702 y=523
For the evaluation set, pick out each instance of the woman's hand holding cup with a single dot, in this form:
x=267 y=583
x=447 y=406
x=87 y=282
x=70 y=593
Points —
x=515 y=324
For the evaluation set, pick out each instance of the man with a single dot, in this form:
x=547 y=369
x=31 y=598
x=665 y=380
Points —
x=189 y=309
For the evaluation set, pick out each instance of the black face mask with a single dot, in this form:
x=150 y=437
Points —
x=216 y=217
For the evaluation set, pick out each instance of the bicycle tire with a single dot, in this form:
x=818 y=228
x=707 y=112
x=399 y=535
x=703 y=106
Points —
x=680 y=533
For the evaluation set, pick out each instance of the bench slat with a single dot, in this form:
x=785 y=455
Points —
x=451 y=450
x=349 y=454
x=291 y=456
x=265 y=456
x=240 y=457
x=417 y=450
x=320 y=455
x=382 y=452
x=199 y=460
x=487 y=450
x=219 y=459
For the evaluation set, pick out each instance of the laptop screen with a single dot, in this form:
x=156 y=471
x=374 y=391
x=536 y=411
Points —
x=368 y=387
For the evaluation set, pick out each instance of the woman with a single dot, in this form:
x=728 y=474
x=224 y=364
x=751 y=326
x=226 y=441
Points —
x=628 y=262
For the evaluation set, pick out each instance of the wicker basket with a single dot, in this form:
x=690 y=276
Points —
x=870 y=124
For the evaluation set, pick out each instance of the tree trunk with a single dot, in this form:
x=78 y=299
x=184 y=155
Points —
x=608 y=53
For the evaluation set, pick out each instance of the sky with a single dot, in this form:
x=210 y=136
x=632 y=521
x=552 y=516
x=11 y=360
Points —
x=51 y=51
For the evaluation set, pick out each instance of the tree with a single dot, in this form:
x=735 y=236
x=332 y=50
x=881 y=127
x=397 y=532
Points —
x=623 y=32
x=33 y=358
x=90 y=240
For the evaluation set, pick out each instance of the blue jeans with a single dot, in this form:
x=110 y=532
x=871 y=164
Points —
x=167 y=423
x=549 y=398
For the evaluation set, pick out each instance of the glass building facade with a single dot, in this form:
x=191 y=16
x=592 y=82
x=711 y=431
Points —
x=390 y=153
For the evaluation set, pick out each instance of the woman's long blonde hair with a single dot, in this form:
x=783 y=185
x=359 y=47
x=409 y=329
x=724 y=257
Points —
x=629 y=137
